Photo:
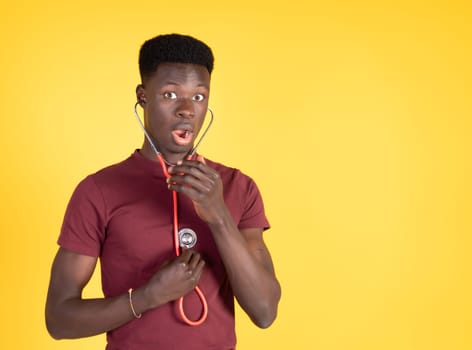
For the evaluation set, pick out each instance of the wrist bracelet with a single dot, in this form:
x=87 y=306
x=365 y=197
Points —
x=130 y=291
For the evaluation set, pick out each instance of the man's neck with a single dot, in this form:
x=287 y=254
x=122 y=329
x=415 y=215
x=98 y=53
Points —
x=170 y=160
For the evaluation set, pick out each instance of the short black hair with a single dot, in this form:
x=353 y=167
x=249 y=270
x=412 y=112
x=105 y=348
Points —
x=173 y=48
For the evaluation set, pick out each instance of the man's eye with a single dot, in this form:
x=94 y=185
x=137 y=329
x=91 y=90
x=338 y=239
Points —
x=170 y=95
x=198 y=97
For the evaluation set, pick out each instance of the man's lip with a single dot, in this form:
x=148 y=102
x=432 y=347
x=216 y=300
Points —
x=185 y=127
x=182 y=137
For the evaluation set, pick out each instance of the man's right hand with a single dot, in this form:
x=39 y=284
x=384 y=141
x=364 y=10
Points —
x=174 y=279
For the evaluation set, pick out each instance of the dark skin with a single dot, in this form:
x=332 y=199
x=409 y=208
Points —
x=174 y=98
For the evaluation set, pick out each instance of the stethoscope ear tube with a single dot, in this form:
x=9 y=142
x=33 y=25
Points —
x=154 y=148
x=212 y=117
x=178 y=242
x=186 y=237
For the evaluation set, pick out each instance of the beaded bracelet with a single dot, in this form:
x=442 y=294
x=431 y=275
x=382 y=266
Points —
x=130 y=291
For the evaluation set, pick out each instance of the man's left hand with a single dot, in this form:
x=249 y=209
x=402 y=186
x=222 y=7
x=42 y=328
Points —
x=202 y=185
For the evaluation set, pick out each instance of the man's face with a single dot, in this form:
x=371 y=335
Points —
x=176 y=103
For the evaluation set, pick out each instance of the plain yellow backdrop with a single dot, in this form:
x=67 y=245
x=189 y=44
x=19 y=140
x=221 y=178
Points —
x=353 y=117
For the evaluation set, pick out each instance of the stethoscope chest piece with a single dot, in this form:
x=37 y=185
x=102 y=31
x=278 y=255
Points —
x=187 y=238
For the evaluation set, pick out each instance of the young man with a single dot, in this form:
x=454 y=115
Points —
x=123 y=215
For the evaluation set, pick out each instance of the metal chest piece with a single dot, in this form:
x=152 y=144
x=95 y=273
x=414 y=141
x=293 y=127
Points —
x=187 y=238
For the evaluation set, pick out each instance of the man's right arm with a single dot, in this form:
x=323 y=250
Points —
x=70 y=316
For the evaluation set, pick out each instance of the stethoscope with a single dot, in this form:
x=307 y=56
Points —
x=186 y=237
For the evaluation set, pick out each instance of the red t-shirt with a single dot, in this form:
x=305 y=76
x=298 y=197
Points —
x=123 y=215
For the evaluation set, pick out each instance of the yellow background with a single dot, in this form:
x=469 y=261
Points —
x=353 y=117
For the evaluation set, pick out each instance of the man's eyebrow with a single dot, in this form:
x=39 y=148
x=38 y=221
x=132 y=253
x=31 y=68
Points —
x=171 y=82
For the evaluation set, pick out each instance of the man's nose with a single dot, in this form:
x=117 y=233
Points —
x=185 y=109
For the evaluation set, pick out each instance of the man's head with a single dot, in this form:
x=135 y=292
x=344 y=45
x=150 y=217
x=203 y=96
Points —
x=173 y=48
x=175 y=72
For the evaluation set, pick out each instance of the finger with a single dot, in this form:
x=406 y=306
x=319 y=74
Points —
x=198 y=270
x=189 y=173
x=195 y=169
x=178 y=182
x=194 y=178
x=201 y=159
x=194 y=260
x=197 y=166
x=194 y=195
x=185 y=257
x=165 y=263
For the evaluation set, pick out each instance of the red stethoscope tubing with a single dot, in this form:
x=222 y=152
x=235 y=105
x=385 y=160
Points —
x=177 y=253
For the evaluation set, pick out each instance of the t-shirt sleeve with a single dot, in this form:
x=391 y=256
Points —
x=253 y=212
x=83 y=228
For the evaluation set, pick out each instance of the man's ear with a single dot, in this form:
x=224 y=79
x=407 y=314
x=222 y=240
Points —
x=141 y=95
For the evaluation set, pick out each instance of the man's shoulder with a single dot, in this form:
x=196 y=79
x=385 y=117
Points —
x=225 y=171
x=219 y=166
x=113 y=170
x=111 y=175
x=228 y=173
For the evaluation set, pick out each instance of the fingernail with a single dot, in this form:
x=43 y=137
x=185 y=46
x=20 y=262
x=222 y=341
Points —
x=179 y=162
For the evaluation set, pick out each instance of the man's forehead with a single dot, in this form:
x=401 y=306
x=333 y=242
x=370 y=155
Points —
x=169 y=72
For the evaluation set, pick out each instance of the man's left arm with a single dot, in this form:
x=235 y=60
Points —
x=245 y=256
x=250 y=271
